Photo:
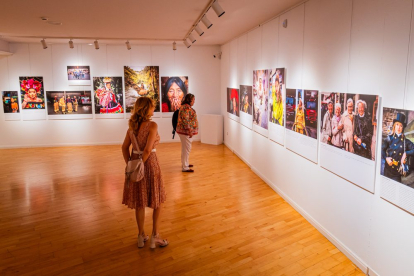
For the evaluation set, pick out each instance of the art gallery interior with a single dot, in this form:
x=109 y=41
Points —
x=345 y=46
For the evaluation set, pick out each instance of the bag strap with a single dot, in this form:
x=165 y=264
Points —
x=134 y=141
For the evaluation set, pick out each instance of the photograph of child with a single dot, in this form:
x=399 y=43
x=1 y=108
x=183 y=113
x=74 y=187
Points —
x=108 y=95
x=10 y=102
x=31 y=92
x=246 y=99
x=233 y=101
x=397 y=148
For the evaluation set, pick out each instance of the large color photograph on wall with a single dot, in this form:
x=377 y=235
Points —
x=397 y=149
x=69 y=102
x=32 y=93
x=246 y=99
x=108 y=95
x=302 y=111
x=173 y=91
x=76 y=73
x=141 y=81
x=260 y=98
x=348 y=122
x=277 y=87
x=233 y=101
x=10 y=102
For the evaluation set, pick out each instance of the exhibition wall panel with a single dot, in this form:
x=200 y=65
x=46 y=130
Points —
x=409 y=89
x=366 y=47
x=290 y=51
x=392 y=228
x=397 y=23
x=326 y=45
x=234 y=82
x=270 y=43
x=117 y=58
x=197 y=63
x=254 y=51
x=359 y=47
x=243 y=75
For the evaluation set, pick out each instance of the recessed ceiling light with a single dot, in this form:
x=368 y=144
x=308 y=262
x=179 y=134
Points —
x=90 y=44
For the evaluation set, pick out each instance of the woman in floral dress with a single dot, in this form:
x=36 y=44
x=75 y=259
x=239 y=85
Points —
x=148 y=192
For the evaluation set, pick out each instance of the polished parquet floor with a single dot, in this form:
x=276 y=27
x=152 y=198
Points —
x=61 y=214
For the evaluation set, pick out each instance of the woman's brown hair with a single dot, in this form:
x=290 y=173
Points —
x=188 y=98
x=140 y=113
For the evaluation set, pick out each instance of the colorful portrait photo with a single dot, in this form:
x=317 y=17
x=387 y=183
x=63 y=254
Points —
x=32 y=93
x=76 y=73
x=302 y=111
x=276 y=92
x=349 y=122
x=141 y=81
x=246 y=99
x=173 y=90
x=108 y=95
x=69 y=102
x=233 y=101
x=397 y=148
x=260 y=98
x=10 y=102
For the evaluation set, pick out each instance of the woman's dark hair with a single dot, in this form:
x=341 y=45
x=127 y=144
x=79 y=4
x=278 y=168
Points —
x=188 y=98
x=178 y=81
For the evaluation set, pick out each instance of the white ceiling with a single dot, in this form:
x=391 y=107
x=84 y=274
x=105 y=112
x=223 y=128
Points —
x=140 y=21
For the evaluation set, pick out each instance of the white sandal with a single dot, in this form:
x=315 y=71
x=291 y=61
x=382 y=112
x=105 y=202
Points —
x=141 y=240
x=156 y=240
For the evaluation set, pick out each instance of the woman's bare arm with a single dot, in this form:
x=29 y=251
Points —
x=125 y=148
x=153 y=130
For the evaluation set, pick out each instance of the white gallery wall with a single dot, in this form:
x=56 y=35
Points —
x=32 y=60
x=351 y=46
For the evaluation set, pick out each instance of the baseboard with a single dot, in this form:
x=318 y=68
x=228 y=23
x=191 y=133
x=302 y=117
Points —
x=344 y=249
x=372 y=272
x=242 y=158
x=81 y=144
x=227 y=145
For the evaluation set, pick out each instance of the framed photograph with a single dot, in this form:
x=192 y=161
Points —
x=10 y=102
x=397 y=157
x=348 y=122
x=109 y=96
x=141 y=81
x=246 y=99
x=69 y=104
x=173 y=91
x=79 y=75
x=302 y=111
x=233 y=101
x=260 y=98
x=32 y=93
x=276 y=96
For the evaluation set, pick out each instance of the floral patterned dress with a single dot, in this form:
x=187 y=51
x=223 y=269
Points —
x=148 y=192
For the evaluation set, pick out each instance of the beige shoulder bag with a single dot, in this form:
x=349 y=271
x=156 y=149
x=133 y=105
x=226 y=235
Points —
x=134 y=170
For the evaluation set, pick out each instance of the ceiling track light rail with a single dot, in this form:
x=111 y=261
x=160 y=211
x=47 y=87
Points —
x=214 y=4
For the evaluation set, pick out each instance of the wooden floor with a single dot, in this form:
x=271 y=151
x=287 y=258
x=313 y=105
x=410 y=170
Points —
x=61 y=214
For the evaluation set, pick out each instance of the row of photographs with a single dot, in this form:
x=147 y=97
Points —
x=108 y=92
x=347 y=120
x=347 y=126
